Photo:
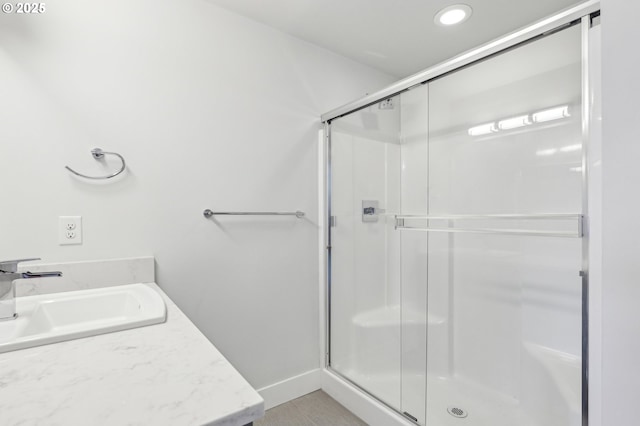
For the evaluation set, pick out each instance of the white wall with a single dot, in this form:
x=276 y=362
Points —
x=210 y=110
x=621 y=203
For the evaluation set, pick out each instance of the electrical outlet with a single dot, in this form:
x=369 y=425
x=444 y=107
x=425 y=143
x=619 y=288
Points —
x=69 y=230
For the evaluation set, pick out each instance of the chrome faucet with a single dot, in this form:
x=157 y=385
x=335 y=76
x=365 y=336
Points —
x=8 y=274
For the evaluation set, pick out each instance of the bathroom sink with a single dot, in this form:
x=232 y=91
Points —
x=53 y=318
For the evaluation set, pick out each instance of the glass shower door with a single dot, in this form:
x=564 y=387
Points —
x=365 y=286
x=504 y=302
x=455 y=242
x=378 y=331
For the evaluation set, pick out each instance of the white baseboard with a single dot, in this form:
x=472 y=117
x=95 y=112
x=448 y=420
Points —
x=359 y=403
x=292 y=388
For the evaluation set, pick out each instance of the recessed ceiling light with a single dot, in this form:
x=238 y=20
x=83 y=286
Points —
x=452 y=15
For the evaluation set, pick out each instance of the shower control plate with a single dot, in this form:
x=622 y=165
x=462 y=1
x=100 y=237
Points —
x=370 y=211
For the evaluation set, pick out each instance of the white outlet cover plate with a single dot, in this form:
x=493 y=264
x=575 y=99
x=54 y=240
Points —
x=64 y=225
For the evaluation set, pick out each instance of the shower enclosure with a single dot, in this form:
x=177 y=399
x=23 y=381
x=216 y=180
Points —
x=457 y=242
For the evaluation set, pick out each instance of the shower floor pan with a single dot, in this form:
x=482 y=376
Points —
x=556 y=403
x=483 y=407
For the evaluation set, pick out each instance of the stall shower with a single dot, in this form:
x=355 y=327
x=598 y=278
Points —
x=458 y=239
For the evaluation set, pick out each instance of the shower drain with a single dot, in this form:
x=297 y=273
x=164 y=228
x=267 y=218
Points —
x=457 y=412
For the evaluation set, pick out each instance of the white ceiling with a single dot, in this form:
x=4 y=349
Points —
x=398 y=37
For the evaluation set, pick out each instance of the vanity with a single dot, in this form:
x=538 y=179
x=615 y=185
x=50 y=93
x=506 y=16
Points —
x=167 y=373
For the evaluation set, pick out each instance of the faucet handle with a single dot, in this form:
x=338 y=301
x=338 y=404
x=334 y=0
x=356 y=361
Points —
x=12 y=265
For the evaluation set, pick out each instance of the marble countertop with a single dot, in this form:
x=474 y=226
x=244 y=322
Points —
x=163 y=374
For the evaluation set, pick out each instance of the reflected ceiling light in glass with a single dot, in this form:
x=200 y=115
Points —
x=452 y=15
x=576 y=169
x=483 y=129
x=546 y=152
x=551 y=114
x=571 y=148
x=514 y=122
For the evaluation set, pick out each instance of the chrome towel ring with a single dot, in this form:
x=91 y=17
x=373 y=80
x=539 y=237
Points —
x=99 y=154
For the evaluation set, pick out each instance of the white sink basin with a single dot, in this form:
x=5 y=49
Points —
x=53 y=318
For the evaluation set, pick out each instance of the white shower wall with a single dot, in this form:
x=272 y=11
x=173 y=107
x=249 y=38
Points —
x=210 y=110
x=365 y=155
x=515 y=301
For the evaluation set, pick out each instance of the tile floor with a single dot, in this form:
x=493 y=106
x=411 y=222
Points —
x=314 y=409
